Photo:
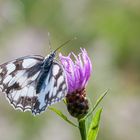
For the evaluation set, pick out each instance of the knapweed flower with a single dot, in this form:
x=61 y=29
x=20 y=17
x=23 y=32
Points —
x=78 y=72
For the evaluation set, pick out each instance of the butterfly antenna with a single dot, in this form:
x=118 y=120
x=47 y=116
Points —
x=68 y=41
x=49 y=42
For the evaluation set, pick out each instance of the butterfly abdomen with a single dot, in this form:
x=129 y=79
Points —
x=45 y=70
x=41 y=81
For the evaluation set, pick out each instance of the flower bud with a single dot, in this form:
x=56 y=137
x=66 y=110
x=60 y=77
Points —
x=77 y=104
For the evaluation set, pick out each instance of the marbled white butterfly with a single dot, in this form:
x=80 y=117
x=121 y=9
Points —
x=33 y=82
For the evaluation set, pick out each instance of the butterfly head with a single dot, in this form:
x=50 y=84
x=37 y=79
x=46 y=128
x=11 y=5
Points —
x=49 y=59
x=52 y=56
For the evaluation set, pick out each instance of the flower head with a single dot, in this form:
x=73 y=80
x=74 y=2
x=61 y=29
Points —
x=77 y=71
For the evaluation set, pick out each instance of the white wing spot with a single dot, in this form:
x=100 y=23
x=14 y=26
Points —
x=60 y=80
x=0 y=78
x=1 y=87
x=7 y=79
x=10 y=68
x=22 y=79
x=30 y=91
x=55 y=69
x=0 y=69
x=46 y=81
x=17 y=96
x=19 y=106
x=13 y=94
x=59 y=95
x=54 y=91
x=64 y=86
x=23 y=92
x=17 y=76
x=28 y=63
x=51 y=86
x=35 y=76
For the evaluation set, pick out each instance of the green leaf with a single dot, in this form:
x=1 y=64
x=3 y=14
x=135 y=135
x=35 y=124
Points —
x=61 y=115
x=94 y=126
x=96 y=104
x=88 y=122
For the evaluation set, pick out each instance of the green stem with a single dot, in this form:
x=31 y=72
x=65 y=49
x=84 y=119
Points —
x=82 y=128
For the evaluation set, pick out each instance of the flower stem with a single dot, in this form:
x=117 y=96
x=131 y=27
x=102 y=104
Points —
x=82 y=129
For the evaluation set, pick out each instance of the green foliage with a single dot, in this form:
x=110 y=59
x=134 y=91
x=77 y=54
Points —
x=94 y=126
x=89 y=125
x=61 y=115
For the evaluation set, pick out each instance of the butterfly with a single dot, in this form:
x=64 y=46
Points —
x=32 y=83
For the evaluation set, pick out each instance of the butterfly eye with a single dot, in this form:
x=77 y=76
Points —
x=52 y=55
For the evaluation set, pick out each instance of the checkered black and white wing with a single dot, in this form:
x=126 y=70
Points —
x=18 y=81
x=53 y=90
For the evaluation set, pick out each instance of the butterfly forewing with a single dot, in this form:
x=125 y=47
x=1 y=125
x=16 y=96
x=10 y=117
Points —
x=18 y=81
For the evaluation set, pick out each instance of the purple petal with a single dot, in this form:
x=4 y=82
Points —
x=77 y=71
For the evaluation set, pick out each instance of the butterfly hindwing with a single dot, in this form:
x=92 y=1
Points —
x=18 y=81
x=24 y=98
x=53 y=90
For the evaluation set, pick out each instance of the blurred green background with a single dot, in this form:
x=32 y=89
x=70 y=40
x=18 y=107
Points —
x=110 y=32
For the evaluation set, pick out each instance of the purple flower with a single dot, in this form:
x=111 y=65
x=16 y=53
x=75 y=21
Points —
x=77 y=71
